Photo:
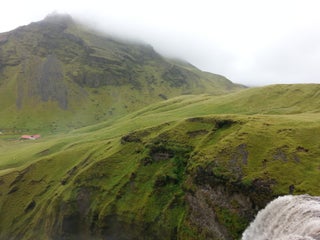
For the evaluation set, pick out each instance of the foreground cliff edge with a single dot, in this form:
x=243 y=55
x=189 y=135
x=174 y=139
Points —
x=196 y=166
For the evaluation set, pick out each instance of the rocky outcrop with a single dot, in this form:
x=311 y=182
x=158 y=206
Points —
x=217 y=213
x=221 y=208
x=51 y=84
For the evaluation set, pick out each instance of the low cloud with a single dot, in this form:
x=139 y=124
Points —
x=250 y=42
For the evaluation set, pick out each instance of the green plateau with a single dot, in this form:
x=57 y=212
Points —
x=192 y=156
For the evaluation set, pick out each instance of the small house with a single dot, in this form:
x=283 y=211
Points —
x=30 y=137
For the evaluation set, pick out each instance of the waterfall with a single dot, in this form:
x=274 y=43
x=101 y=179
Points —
x=287 y=218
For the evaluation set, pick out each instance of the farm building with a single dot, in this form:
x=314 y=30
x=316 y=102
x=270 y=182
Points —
x=30 y=137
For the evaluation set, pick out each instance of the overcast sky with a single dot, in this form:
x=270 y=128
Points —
x=253 y=42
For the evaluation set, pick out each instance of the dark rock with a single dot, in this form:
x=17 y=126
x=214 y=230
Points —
x=161 y=156
x=291 y=189
x=280 y=155
x=164 y=97
x=296 y=158
x=302 y=149
x=130 y=138
x=164 y=180
x=175 y=77
x=147 y=161
x=64 y=181
x=30 y=206
x=240 y=155
x=224 y=123
x=71 y=226
x=203 y=212
x=50 y=82
x=20 y=176
x=259 y=190
x=14 y=189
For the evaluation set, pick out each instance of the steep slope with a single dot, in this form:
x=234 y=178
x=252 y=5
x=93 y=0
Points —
x=57 y=73
x=193 y=167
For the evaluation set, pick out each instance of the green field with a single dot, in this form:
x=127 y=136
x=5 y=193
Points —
x=151 y=172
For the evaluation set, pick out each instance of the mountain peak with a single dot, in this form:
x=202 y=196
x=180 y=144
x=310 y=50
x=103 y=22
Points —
x=58 y=18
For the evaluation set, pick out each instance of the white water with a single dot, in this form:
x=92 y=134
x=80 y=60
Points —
x=287 y=218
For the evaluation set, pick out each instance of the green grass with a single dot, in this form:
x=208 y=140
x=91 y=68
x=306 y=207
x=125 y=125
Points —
x=134 y=170
x=121 y=184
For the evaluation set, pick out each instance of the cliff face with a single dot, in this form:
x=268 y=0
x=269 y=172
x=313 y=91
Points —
x=47 y=83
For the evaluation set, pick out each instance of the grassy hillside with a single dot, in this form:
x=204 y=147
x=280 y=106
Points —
x=57 y=74
x=192 y=167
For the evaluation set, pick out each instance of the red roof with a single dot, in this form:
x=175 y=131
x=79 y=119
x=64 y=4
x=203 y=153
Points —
x=30 y=137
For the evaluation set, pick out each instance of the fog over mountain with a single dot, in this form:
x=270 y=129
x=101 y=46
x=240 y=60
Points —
x=250 y=42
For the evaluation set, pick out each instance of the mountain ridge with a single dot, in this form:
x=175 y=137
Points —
x=67 y=68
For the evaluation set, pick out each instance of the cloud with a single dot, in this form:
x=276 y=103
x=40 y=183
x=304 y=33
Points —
x=251 y=42
x=294 y=59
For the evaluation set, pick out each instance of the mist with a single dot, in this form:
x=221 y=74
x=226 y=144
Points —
x=250 y=42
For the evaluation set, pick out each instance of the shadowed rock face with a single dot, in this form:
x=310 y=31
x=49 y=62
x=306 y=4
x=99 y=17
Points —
x=50 y=82
x=46 y=82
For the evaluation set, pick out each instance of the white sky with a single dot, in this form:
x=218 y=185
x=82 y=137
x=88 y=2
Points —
x=253 y=42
